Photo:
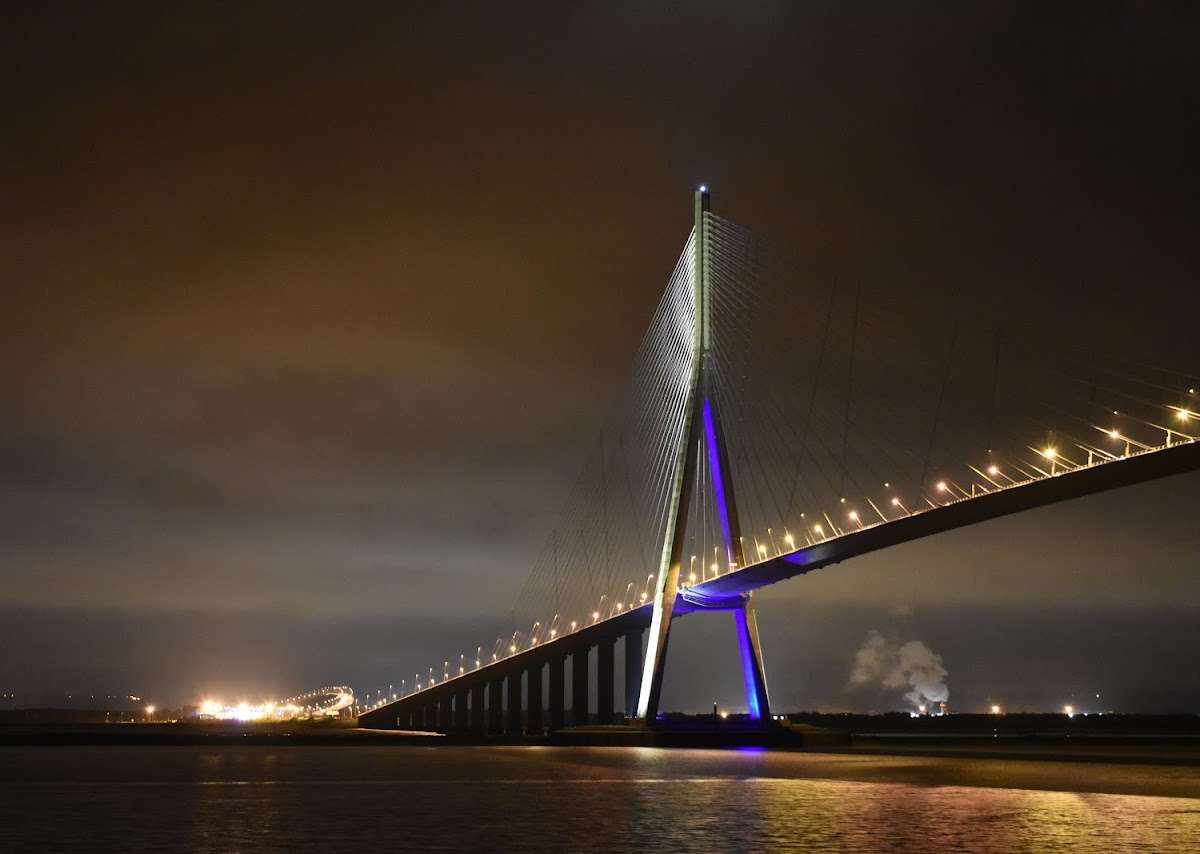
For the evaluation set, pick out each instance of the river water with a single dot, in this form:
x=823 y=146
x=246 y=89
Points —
x=377 y=798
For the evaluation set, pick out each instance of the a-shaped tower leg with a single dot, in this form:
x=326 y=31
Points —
x=702 y=423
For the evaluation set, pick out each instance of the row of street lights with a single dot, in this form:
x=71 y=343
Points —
x=1056 y=460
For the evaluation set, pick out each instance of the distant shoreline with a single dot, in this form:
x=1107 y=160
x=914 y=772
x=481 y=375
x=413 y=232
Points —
x=1157 y=748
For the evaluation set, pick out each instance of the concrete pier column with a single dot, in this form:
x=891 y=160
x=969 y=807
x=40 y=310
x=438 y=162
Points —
x=495 y=712
x=460 y=710
x=533 y=700
x=579 y=686
x=429 y=724
x=513 y=720
x=633 y=670
x=605 y=676
x=444 y=709
x=477 y=720
x=558 y=668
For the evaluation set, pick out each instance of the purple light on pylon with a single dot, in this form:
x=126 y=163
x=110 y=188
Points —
x=714 y=467
x=749 y=673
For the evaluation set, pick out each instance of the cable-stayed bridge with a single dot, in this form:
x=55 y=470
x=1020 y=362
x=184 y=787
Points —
x=772 y=427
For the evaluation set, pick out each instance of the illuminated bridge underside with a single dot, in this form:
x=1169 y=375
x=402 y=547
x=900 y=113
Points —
x=726 y=592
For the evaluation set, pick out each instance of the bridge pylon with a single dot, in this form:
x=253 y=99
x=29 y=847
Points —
x=702 y=426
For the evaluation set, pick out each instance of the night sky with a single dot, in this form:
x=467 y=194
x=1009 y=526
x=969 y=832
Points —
x=309 y=311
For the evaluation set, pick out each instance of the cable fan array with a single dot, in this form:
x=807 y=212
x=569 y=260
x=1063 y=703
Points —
x=842 y=408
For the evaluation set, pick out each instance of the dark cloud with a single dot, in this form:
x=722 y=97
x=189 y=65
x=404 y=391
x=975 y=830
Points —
x=310 y=314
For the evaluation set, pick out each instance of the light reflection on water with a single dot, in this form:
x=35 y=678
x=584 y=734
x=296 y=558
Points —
x=368 y=799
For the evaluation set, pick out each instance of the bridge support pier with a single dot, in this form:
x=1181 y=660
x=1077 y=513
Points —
x=514 y=704
x=633 y=671
x=579 y=686
x=429 y=718
x=495 y=712
x=477 y=724
x=533 y=700
x=460 y=710
x=558 y=666
x=605 y=677
x=444 y=711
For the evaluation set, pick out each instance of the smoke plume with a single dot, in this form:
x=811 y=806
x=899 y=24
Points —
x=912 y=666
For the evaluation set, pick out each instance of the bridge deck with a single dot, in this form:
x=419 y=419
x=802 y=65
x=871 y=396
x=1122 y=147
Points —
x=1100 y=477
x=1126 y=471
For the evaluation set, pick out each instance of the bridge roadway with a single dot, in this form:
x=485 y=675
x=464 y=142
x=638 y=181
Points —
x=459 y=703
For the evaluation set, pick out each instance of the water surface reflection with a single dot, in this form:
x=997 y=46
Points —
x=608 y=799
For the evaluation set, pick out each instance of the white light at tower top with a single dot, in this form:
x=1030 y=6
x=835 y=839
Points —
x=704 y=188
